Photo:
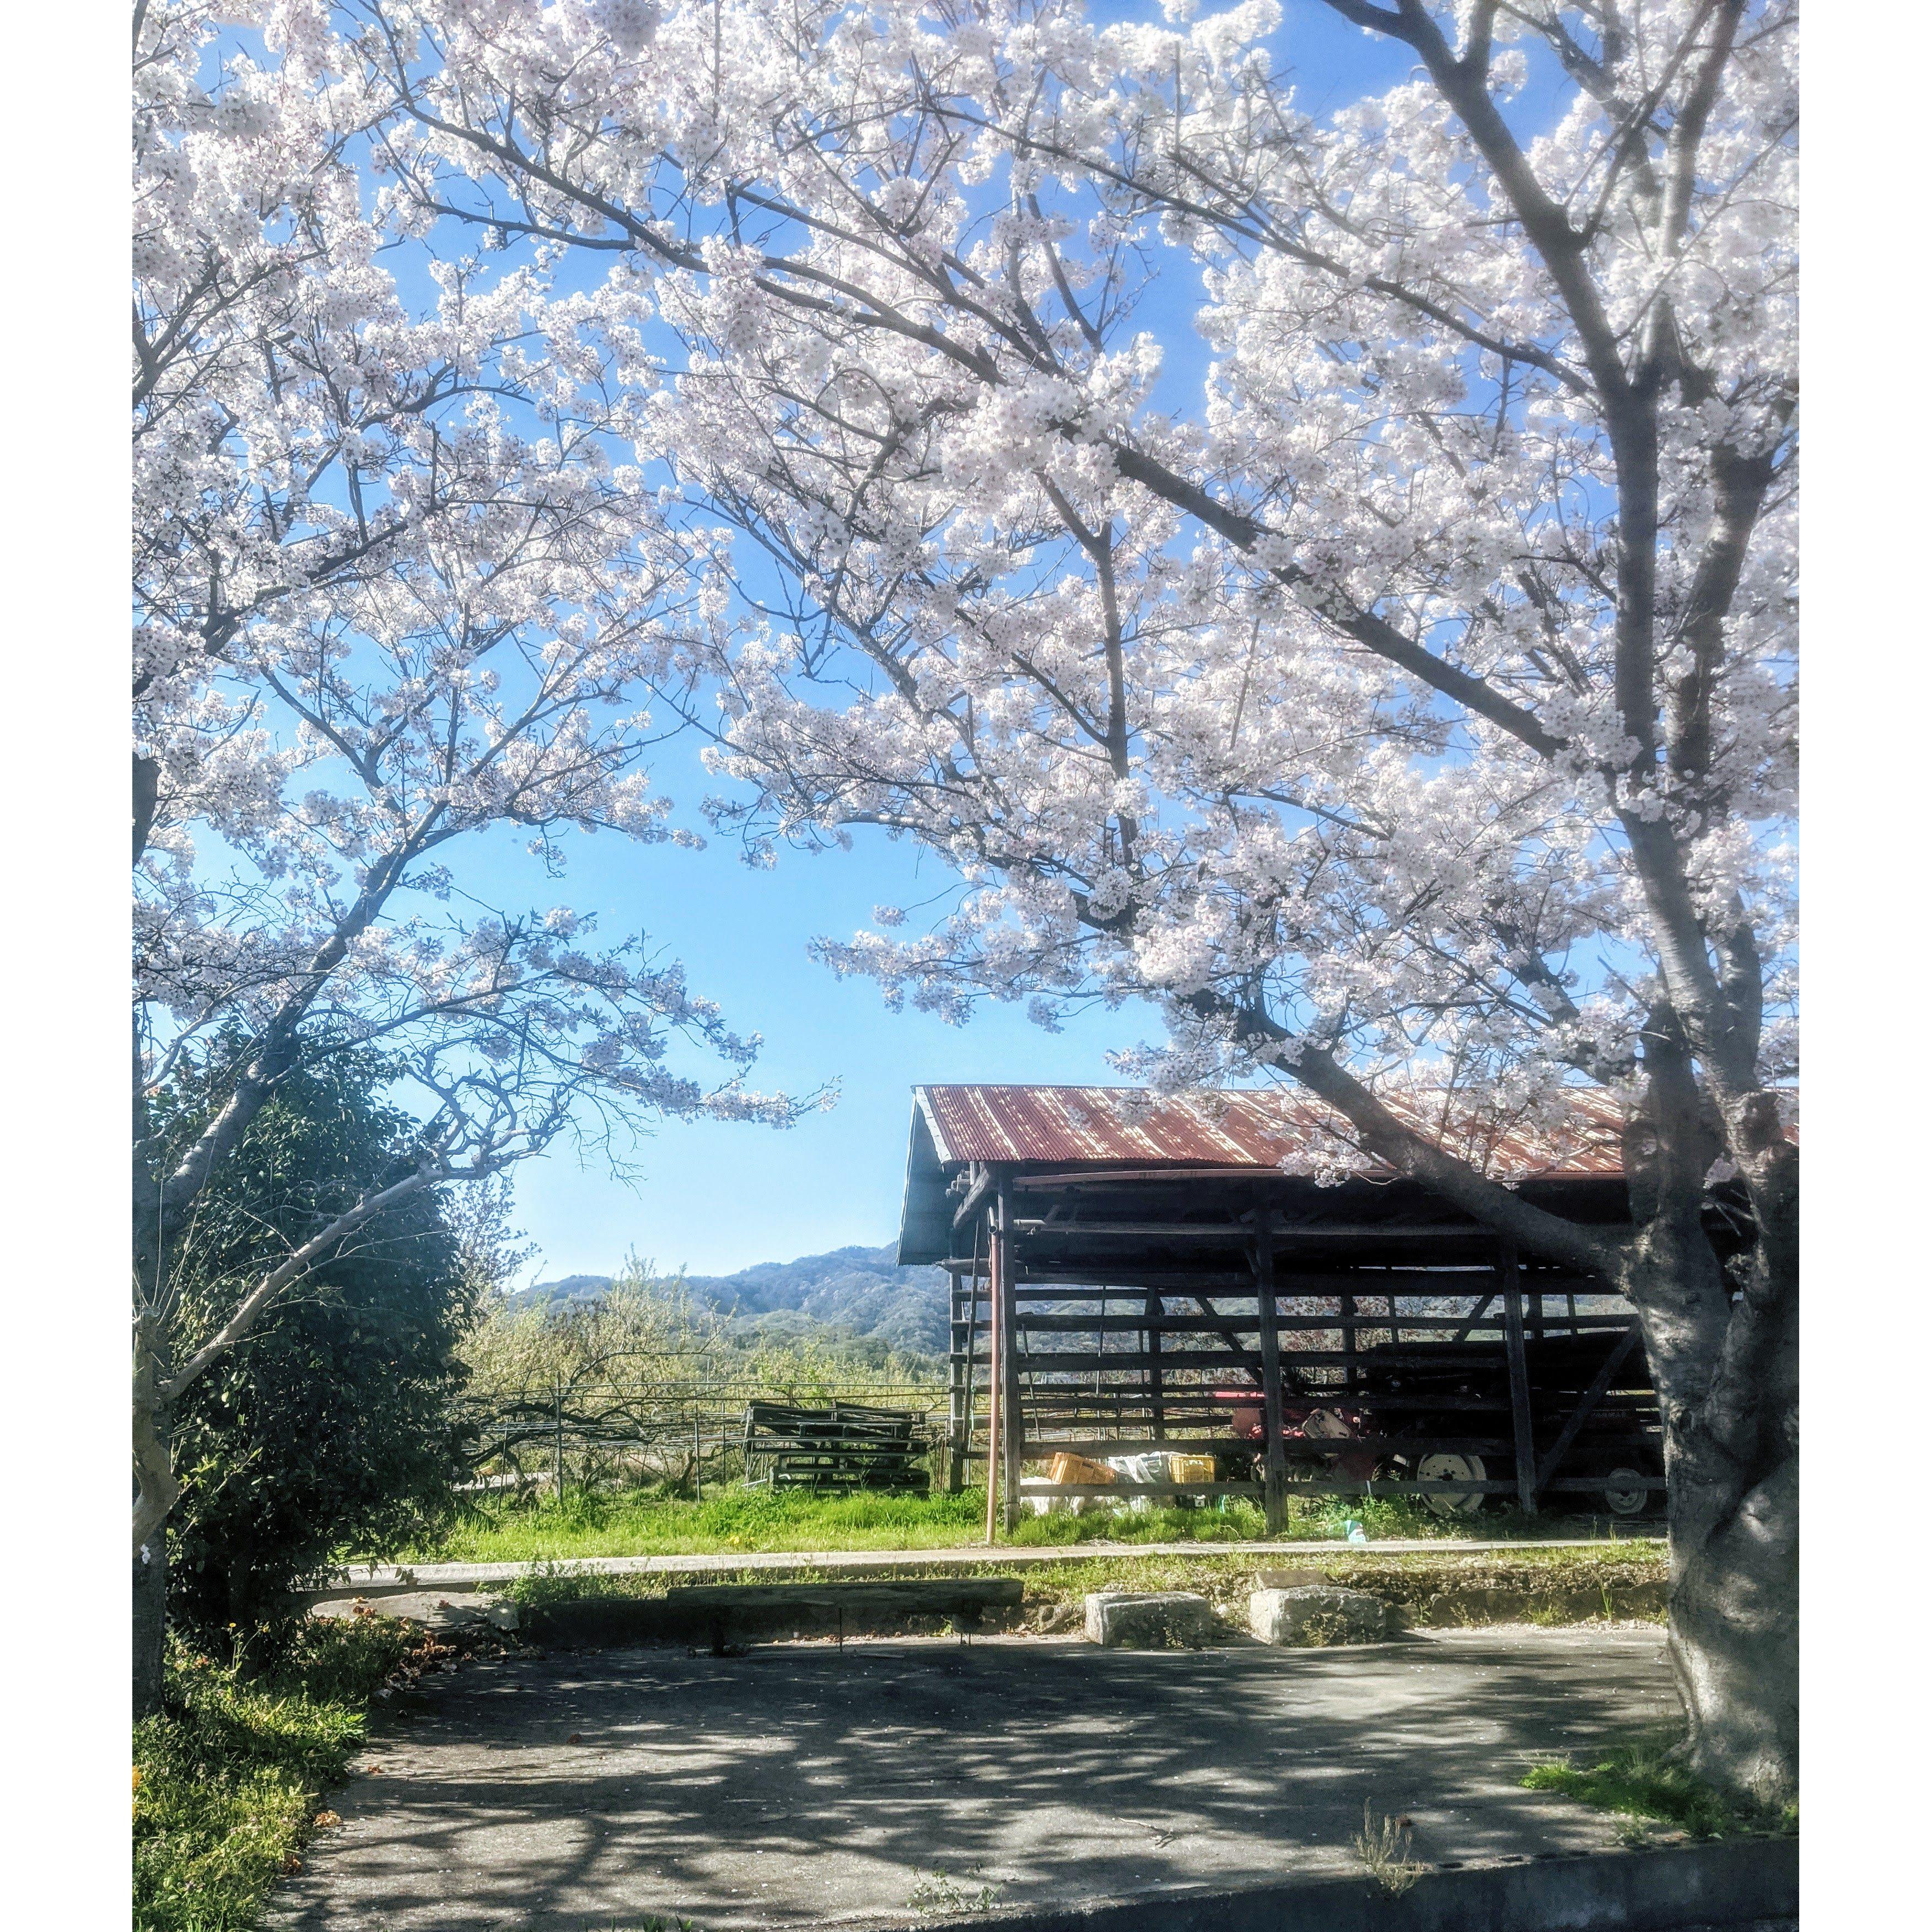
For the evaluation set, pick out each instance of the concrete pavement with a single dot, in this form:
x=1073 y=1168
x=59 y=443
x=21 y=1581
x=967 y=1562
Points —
x=806 y=1784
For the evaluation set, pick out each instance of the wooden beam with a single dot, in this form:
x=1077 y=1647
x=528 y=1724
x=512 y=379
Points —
x=976 y=1195
x=1599 y=1387
x=1010 y=1415
x=1274 y=1458
x=1153 y=1317
x=1231 y=1234
x=996 y=1267
x=1521 y=1427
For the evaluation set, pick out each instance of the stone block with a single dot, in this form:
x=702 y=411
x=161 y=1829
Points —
x=1312 y=1614
x=1125 y=1620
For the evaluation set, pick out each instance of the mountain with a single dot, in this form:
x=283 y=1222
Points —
x=861 y=1291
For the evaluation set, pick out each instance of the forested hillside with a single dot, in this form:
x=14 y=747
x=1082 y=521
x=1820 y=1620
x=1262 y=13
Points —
x=861 y=1291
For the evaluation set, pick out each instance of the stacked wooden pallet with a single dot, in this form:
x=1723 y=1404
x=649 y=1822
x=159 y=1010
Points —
x=843 y=1446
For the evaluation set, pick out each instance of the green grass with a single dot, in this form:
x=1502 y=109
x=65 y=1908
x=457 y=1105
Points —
x=1641 y=1783
x=227 y=1777
x=1555 y=1586
x=650 y=1523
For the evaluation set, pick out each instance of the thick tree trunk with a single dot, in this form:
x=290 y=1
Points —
x=150 y=1623
x=1734 y=1623
x=1723 y=1342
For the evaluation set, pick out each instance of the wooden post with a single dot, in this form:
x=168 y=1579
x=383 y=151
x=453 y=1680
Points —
x=1347 y=1307
x=1520 y=1425
x=1274 y=1461
x=955 y=1394
x=1155 y=1308
x=972 y=1357
x=1011 y=1421
x=996 y=1251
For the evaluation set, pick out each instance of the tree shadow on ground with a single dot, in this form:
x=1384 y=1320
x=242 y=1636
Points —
x=795 y=1782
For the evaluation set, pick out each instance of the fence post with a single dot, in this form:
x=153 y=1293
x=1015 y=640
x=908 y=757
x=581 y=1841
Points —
x=556 y=1414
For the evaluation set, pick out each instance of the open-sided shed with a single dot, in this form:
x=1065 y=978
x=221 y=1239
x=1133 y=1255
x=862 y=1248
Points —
x=1230 y=1278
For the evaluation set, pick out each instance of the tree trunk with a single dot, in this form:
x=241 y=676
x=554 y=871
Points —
x=150 y=1623
x=155 y=1493
x=1723 y=1343
x=1734 y=1623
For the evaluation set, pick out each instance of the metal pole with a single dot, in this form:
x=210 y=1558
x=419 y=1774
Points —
x=556 y=1401
x=697 y=1452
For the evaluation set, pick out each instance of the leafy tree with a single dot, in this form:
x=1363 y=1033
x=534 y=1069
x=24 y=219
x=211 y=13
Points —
x=333 y=1421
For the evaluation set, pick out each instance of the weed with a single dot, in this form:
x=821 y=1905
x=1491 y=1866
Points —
x=1644 y=1781
x=1323 y=1629
x=934 y=1892
x=545 y=1583
x=1382 y=1844
x=228 y=1773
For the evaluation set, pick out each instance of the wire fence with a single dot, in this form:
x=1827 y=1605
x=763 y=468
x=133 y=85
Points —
x=605 y=1432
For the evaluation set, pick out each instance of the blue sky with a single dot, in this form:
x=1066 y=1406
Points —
x=713 y=1197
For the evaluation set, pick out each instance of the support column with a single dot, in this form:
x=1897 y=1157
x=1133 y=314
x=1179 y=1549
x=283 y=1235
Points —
x=957 y=1373
x=1156 y=1406
x=1274 y=1460
x=1011 y=1421
x=1521 y=1427
x=995 y=1263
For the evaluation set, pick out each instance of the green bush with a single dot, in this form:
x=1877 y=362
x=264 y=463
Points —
x=331 y=1423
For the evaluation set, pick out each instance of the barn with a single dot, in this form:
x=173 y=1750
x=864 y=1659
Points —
x=1227 y=1277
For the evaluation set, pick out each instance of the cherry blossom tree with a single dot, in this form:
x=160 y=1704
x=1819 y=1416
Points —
x=1420 y=696
x=396 y=598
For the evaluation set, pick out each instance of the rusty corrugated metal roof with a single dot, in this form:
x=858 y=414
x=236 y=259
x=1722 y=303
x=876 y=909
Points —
x=1086 y=1126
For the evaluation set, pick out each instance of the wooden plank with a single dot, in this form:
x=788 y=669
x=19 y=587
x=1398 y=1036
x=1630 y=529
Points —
x=1230 y=1234
x=1062 y=1322
x=1033 y=1488
x=1521 y=1427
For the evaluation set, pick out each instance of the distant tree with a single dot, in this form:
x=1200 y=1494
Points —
x=333 y=1422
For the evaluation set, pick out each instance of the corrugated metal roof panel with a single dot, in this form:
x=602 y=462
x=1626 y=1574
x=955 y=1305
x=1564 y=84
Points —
x=1080 y=1126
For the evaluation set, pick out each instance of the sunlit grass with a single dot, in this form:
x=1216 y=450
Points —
x=227 y=1778
x=734 y=1518
x=1641 y=1782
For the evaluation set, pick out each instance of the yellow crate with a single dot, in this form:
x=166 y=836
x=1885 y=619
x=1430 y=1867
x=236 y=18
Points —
x=1068 y=1468
x=1190 y=1469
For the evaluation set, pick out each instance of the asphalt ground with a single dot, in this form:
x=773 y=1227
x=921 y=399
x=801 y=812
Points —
x=805 y=1784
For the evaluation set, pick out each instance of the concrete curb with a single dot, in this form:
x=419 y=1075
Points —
x=391 y=1580
x=734 y=1611
x=1739 y=1883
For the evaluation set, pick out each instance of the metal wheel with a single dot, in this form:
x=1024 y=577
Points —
x=1443 y=1467
x=1622 y=1497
